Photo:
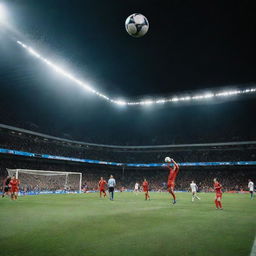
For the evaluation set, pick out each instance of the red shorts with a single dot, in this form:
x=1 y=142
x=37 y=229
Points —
x=219 y=195
x=171 y=184
x=145 y=189
x=102 y=190
x=14 y=190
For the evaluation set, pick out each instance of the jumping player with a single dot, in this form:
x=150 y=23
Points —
x=145 y=189
x=171 y=178
x=102 y=184
x=6 y=186
x=14 y=188
x=217 y=188
x=194 y=188
x=251 y=188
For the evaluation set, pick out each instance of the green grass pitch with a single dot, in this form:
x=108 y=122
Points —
x=86 y=225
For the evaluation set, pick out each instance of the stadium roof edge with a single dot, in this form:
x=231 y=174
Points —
x=215 y=144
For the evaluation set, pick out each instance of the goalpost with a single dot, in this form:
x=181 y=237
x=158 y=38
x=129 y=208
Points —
x=40 y=180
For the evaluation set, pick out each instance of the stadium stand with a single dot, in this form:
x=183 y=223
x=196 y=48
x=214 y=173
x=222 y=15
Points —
x=17 y=139
x=233 y=178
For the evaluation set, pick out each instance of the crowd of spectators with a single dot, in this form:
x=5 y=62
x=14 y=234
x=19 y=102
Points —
x=41 y=145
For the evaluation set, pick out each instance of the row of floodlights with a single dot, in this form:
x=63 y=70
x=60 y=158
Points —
x=139 y=102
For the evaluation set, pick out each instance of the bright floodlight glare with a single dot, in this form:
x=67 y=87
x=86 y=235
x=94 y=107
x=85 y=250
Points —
x=62 y=71
x=3 y=14
x=120 y=102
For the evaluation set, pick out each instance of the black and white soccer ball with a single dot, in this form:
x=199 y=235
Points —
x=136 y=25
x=167 y=159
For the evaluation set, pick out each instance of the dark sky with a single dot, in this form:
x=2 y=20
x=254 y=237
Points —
x=190 y=45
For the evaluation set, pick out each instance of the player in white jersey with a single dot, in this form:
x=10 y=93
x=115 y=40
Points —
x=251 y=188
x=194 y=188
x=136 y=188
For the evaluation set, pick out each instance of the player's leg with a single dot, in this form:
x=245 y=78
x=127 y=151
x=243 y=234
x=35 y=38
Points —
x=100 y=192
x=104 y=193
x=4 y=192
x=16 y=195
x=251 y=192
x=171 y=191
x=219 y=201
x=148 y=195
x=198 y=198
x=111 y=192
x=193 y=196
x=216 y=202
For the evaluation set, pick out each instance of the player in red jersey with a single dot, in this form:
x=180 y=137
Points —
x=171 y=178
x=14 y=183
x=145 y=189
x=102 y=184
x=217 y=188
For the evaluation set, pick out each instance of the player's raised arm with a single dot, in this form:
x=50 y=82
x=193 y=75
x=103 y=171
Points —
x=176 y=166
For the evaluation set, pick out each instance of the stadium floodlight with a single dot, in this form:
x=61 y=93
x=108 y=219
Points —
x=146 y=102
x=61 y=71
x=120 y=102
x=160 y=101
x=34 y=53
x=208 y=95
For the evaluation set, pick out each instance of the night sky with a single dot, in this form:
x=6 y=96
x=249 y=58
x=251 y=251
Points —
x=190 y=45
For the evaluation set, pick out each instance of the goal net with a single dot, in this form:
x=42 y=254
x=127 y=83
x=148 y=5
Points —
x=48 y=181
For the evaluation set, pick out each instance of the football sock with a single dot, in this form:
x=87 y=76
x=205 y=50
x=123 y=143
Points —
x=173 y=195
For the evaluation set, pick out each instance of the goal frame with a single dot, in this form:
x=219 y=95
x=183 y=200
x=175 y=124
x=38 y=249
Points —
x=44 y=172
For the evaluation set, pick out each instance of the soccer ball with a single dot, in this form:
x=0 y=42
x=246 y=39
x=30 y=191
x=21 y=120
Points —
x=136 y=25
x=167 y=159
